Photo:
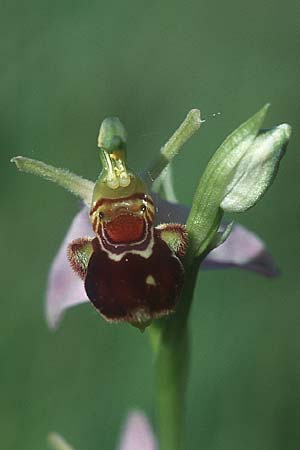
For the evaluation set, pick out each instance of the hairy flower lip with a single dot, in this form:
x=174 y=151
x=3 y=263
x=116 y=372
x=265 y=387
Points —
x=243 y=249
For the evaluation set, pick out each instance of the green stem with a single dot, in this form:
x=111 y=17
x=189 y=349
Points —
x=171 y=366
x=172 y=360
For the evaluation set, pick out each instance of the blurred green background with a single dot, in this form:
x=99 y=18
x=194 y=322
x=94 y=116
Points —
x=65 y=66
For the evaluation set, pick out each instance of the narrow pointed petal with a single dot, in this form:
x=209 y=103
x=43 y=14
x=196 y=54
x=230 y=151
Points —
x=171 y=148
x=65 y=288
x=137 y=433
x=243 y=249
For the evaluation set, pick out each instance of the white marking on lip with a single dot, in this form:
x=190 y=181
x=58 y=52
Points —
x=146 y=253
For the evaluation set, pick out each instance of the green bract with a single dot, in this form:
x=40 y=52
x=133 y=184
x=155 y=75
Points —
x=237 y=176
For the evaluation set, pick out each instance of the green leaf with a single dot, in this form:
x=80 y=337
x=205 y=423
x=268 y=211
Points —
x=257 y=169
x=75 y=184
x=206 y=214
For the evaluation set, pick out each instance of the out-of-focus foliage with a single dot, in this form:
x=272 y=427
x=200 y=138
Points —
x=65 y=66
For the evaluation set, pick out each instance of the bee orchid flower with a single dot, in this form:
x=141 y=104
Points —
x=135 y=256
x=130 y=250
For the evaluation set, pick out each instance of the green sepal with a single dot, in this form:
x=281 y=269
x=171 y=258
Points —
x=205 y=216
x=73 y=183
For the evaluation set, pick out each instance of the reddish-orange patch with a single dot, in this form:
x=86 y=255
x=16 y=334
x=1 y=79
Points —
x=125 y=228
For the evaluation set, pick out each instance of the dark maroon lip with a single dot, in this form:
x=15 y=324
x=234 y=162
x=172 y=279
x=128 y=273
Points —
x=122 y=291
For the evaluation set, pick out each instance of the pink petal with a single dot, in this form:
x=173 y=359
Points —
x=137 y=433
x=242 y=249
x=65 y=288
